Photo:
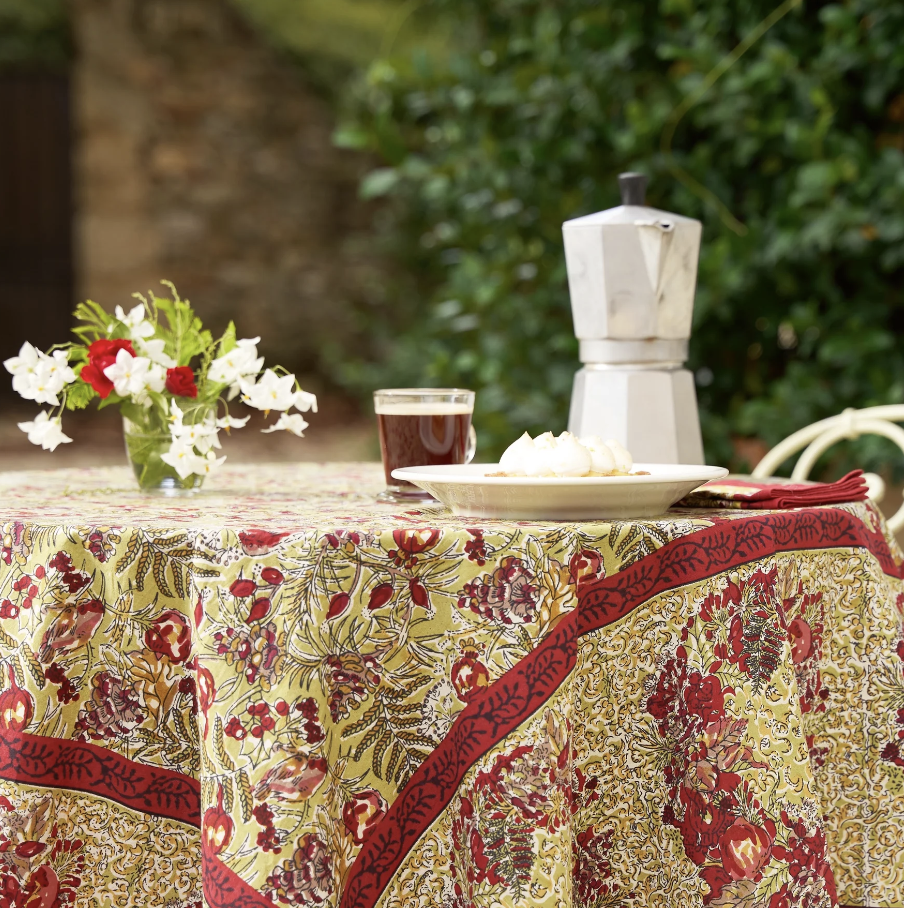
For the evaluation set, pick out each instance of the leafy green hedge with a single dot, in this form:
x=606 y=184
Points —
x=528 y=124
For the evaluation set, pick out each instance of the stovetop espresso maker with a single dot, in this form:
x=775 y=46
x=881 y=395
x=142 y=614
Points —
x=632 y=274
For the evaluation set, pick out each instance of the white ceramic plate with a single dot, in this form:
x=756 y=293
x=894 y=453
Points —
x=467 y=491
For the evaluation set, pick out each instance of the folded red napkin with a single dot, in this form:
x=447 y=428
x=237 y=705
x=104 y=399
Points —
x=739 y=493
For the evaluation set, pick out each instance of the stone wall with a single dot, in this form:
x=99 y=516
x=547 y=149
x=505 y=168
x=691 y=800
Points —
x=205 y=158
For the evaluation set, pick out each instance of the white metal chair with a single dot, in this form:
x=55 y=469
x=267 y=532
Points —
x=820 y=436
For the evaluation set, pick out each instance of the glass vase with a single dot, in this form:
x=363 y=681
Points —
x=144 y=446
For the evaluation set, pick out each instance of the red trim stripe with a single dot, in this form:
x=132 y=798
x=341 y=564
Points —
x=77 y=766
x=524 y=689
x=223 y=888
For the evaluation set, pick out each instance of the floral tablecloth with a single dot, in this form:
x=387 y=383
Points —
x=284 y=693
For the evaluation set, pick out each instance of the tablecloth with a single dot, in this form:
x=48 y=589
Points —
x=280 y=692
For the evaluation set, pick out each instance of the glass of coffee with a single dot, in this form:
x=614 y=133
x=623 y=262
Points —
x=421 y=426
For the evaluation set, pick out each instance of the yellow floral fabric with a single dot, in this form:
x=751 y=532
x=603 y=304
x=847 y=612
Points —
x=278 y=691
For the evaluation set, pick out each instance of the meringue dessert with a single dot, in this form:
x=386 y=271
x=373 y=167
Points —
x=566 y=455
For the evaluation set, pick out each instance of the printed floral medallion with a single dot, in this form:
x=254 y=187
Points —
x=297 y=697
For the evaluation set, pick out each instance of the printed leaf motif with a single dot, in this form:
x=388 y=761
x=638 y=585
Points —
x=164 y=557
x=246 y=796
x=633 y=541
x=35 y=669
x=219 y=746
x=17 y=671
x=160 y=575
x=763 y=640
x=386 y=724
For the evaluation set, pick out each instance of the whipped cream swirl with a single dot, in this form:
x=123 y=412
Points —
x=566 y=455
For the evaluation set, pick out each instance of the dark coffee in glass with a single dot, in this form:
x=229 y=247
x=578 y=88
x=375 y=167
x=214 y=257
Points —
x=420 y=427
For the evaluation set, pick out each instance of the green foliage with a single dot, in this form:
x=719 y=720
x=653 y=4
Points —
x=528 y=125
x=34 y=32
x=329 y=38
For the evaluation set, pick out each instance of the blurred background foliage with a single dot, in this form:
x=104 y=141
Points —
x=527 y=122
x=492 y=121
x=34 y=33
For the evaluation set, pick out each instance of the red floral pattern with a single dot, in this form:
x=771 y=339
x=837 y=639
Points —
x=726 y=830
x=340 y=674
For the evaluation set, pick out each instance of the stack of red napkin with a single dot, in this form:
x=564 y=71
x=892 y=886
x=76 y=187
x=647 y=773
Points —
x=738 y=493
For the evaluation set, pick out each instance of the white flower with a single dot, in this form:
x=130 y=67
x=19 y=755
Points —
x=176 y=415
x=44 y=431
x=25 y=362
x=133 y=375
x=271 y=392
x=181 y=457
x=153 y=350
x=231 y=422
x=202 y=435
x=295 y=424
x=305 y=401
x=39 y=377
x=58 y=368
x=206 y=465
x=135 y=321
x=238 y=363
x=155 y=379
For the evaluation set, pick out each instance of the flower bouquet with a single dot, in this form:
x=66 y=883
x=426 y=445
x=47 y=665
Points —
x=170 y=379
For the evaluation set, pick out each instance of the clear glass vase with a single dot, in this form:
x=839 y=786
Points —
x=145 y=443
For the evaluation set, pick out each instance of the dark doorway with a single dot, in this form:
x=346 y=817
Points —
x=36 y=292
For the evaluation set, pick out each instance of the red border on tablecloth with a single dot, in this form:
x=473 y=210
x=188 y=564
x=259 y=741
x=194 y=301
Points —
x=78 y=766
x=224 y=888
x=525 y=688
x=509 y=701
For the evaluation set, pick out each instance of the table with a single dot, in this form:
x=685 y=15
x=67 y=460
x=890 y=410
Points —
x=289 y=694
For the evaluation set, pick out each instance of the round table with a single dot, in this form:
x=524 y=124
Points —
x=278 y=691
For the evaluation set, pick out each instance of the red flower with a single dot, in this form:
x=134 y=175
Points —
x=470 y=677
x=260 y=542
x=745 y=849
x=704 y=697
x=272 y=576
x=413 y=542
x=217 y=827
x=42 y=889
x=16 y=707
x=362 y=813
x=243 y=587
x=703 y=824
x=585 y=566
x=180 y=382
x=101 y=355
x=169 y=636
x=114 y=709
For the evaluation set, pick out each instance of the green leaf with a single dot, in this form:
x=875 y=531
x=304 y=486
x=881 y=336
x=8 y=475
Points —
x=79 y=394
x=379 y=182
